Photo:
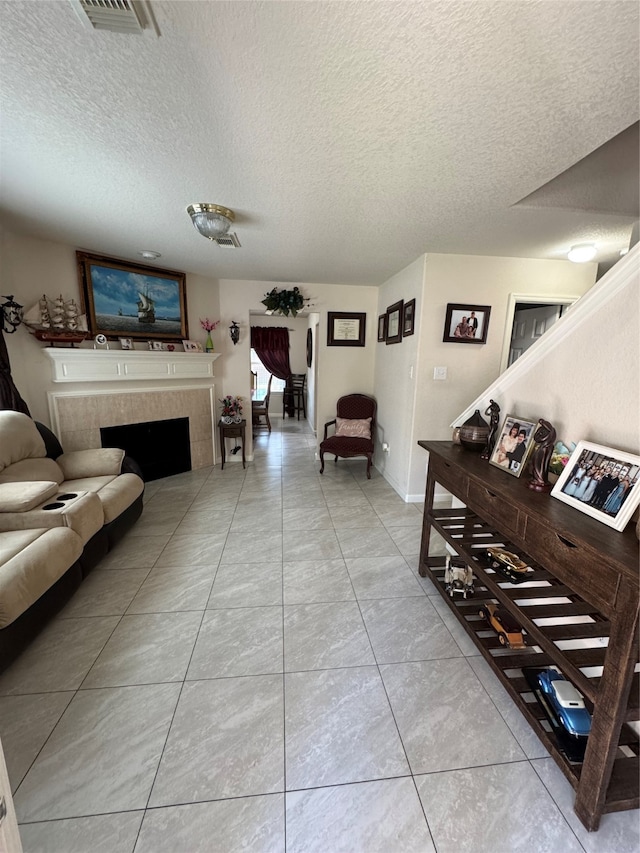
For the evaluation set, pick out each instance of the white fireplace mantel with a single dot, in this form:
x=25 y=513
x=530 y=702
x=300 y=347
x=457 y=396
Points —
x=88 y=365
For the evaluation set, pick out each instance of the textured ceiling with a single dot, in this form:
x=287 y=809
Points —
x=349 y=137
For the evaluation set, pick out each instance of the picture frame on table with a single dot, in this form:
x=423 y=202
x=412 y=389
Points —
x=126 y=343
x=157 y=346
x=466 y=324
x=192 y=346
x=514 y=445
x=394 y=323
x=408 y=318
x=133 y=300
x=601 y=482
x=346 y=328
x=382 y=328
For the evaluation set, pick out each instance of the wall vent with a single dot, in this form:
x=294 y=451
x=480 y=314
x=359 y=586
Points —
x=117 y=16
x=229 y=241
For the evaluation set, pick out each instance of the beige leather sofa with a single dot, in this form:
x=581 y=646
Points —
x=59 y=514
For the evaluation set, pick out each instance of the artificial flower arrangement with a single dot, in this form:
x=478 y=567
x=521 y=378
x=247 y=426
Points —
x=209 y=325
x=231 y=406
x=284 y=301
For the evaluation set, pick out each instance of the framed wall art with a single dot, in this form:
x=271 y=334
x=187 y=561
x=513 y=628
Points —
x=408 y=318
x=382 y=328
x=601 y=482
x=346 y=329
x=394 y=323
x=514 y=445
x=466 y=324
x=124 y=299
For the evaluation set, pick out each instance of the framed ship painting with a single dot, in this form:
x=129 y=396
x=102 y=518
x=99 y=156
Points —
x=135 y=301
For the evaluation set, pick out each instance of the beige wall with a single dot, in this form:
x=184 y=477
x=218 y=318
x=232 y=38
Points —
x=476 y=280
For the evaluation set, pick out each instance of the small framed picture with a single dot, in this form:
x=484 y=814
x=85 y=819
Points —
x=514 y=445
x=382 y=328
x=126 y=343
x=409 y=318
x=156 y=345
x=394 y=323
x=346 y=329
x=601 y=482
x=191 y=346
x=466 y=324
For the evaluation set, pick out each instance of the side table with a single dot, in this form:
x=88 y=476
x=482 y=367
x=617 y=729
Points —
x=232 y=431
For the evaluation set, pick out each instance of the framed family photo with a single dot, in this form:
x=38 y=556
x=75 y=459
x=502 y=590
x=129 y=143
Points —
x=135 y=301
x=514 y=445
x=466 y=324
x=601 y=482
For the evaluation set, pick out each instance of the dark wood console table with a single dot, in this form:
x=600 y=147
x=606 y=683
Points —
x=592 y=569
x=235 y=430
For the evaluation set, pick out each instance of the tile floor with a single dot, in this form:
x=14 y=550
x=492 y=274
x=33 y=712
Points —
x=258 y=667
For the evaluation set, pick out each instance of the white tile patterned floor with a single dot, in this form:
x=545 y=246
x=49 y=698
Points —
x=257 y=666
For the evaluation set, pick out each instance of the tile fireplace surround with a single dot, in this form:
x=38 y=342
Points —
x=135 y=387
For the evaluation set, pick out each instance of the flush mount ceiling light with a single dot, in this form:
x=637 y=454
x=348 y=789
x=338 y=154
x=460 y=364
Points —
x=148 y=255
x=211 y=220
x=582 y=253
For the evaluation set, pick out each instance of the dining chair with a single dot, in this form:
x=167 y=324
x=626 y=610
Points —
x=260 y=408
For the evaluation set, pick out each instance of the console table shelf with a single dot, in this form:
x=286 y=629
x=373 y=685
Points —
x=584 y=577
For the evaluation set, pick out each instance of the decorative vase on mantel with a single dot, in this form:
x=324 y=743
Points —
x=208 y=344
x=474 y=432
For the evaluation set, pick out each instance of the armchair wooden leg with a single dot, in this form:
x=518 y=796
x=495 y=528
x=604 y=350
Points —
x=321 y=462
x=369 y=467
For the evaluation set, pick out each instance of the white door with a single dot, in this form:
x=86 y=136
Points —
x=530 y=322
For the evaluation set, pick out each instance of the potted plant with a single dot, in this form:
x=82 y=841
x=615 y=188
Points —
x=284 y=301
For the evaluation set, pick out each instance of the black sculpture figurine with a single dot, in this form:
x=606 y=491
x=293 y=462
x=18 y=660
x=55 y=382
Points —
x=544 y=439
x=494 y=416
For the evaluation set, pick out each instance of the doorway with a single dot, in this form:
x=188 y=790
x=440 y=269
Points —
x=528 y=318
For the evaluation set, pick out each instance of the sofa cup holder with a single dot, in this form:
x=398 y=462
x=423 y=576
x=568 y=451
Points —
x=54 y=505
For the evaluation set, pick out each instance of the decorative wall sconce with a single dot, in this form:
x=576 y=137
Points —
x=234 y=332
x=12 y=313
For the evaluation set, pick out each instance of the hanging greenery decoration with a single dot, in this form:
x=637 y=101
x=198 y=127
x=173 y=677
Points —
x=284 y=301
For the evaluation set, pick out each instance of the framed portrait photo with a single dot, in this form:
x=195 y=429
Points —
x=346 y=329
x=466 y=324
x=409 y=318
x=157 y=346
x=382 y=328
x=394 y=323
x=191 y=346
x=514 y=445
x=133 y=300
x=601 y=482
x=126 y=343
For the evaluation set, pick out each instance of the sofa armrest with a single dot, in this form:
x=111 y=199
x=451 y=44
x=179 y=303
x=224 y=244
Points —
x=101 y=462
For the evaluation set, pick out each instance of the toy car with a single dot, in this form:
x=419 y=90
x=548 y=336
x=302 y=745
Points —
x=508 y=631
x=566 y=702
x=509 y=565
x=458 y=578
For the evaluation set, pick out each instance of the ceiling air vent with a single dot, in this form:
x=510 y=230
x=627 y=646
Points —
x=229 y=241
x=118 y=16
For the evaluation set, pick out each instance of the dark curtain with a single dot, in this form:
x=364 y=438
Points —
x=9 y=395
x=272 y=348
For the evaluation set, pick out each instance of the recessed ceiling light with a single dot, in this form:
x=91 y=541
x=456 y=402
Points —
x=582 y=253
x=150 y=256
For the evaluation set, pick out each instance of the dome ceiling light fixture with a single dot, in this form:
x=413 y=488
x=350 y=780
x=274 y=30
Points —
x=582 y=253
x=211 y=220
x=148 y=255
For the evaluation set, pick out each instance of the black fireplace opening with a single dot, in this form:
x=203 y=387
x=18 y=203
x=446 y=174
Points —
x=161 y=448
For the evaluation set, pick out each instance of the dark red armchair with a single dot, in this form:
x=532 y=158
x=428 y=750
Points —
x=354 y=430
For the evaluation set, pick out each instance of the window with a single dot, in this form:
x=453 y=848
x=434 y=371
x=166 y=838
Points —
x=263 y=377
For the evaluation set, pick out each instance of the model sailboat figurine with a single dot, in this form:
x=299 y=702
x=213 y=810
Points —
x=56 y=321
